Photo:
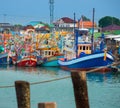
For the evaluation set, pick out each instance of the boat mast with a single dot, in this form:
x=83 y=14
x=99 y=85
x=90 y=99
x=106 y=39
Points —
x=75 y=37
x=92 y=38
x=74 y=23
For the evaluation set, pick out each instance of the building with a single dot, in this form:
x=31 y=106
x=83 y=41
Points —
x=65 y=23
x=86 y=24
x=5 y=26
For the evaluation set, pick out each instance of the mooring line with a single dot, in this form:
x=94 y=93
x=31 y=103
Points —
x=34 y=83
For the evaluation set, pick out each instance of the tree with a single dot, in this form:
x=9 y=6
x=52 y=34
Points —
x=17 y=27
x=108 y=20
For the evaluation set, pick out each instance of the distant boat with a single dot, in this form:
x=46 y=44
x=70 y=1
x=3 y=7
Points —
x=5 y=58
x=50 y=57
x=25 y=60
x=51 y=61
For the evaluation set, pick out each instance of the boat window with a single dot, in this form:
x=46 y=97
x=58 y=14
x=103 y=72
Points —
x=83 y=47
x=86 y=47
x=89 y=48
x=49 y=52
x=52 y=53
x=80 y=47
x=45 y=52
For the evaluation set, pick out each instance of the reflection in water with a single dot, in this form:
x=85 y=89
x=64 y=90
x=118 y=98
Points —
x=30 y=74
x=43 y=70
x=98 y=76
x=6 y=67
x=33 y=70
x=108 y=77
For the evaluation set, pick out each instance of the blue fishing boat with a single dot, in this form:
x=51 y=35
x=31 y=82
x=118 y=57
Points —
x=5 y=58
x=87 y=61
x=87 y=55
x=86 y=58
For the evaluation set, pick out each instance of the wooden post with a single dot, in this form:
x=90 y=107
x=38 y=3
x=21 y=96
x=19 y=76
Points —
x=23 y=94
x=80 y=89
x=47 y=105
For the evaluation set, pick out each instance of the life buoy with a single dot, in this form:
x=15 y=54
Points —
x=82 y=54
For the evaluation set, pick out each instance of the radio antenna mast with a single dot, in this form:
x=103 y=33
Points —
x=51 y=11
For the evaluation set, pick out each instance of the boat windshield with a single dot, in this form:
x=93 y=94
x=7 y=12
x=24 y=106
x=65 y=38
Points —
x=83 y=32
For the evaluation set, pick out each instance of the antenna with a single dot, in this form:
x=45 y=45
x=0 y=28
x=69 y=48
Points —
x=4 y=15
x=93 y=30
x=51 y=11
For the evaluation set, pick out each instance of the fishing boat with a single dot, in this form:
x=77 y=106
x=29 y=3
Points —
x=5 y=54
x=50 y=57
x=48 y=50
x=86 y=58
x=5 y=58
x=26 y=60
x=88 y=53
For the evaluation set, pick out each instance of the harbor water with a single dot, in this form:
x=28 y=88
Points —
x=49 y=84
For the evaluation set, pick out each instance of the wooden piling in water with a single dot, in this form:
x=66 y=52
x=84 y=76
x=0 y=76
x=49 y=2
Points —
x=80 y=89
x=23 y=94
x=47 y=105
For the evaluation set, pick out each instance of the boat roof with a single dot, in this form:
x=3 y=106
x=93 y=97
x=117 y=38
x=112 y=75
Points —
x=84 y=44
x=117 y=39
x=112 y=36
x=83 y=29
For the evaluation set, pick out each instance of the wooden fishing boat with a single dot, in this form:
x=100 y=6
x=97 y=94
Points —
x=5 y=58
x=51 y=61
x=87 y=56
x=86 y=59
x=50 y=56
x=25 y=60
x=28 y=61
x=48 y=50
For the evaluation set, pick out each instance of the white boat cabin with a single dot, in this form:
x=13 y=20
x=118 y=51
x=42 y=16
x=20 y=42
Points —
x=48 y=52
x=84 y=48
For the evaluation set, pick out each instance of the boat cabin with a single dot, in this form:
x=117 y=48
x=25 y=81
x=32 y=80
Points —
x=84 y=48
x=48 y=52
x=112 y=43
x=84 y=42
x=83 y=31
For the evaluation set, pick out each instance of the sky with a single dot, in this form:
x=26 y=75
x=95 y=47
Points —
x=25 y=11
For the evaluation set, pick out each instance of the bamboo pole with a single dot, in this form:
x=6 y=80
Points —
x=47 y=105
x=80 y=89
x=23 y=94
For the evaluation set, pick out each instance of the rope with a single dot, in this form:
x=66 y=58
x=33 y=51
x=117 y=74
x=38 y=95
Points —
x=109 y=66
x=93 y=70
x=34 y=83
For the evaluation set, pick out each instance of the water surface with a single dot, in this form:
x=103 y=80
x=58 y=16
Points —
x=103 y=88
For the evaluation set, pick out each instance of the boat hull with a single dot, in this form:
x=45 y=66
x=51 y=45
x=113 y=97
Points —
x=4 y=59
x=51 y=61
x=27 y=62
x=87 y=62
